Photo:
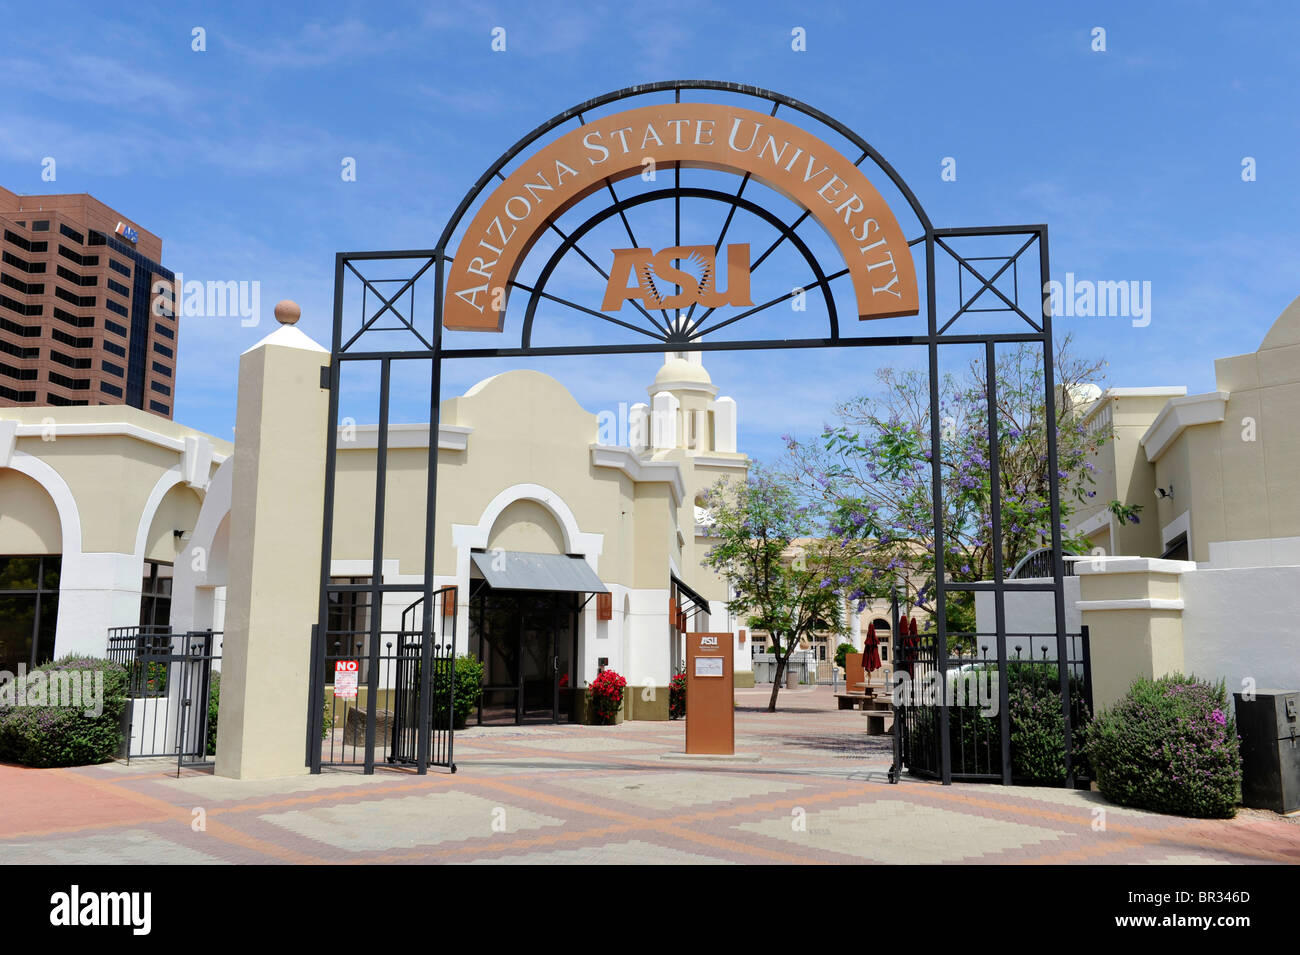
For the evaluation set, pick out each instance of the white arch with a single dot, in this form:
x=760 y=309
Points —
x=170 y=478
x=466 y=537
x=51 y=481
x=186 y=580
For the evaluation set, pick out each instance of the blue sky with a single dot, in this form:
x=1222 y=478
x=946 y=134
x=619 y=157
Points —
x=1133 y=156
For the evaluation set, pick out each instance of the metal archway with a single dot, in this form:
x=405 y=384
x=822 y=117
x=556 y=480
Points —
x=979 y=288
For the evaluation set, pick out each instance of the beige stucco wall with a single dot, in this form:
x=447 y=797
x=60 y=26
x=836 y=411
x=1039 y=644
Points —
x=1236 y=478
x=29 y=521
x=111 y=474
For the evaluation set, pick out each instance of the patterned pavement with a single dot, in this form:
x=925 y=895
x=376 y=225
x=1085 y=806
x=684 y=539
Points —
x=572 y=794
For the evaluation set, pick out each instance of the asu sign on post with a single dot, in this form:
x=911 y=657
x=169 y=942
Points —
x=783 y=156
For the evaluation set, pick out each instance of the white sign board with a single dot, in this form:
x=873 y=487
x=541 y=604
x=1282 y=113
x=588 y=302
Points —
x=708 y=666
x=345 y=679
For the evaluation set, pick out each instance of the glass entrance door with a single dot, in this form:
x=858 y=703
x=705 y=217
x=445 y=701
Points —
x=538 y=663
x=525 y=641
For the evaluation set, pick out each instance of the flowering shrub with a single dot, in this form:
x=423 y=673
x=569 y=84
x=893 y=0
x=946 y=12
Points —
x=41 y=732
x=677 y=697
x=1170 y=746
x=607 y=696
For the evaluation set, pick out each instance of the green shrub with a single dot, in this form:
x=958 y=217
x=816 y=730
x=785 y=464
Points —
x=843 y=650
x=1169 y=745
x=1036 y=723
x=1038 y=728
x=50 y=734
x=214 y=698
x=469 y=686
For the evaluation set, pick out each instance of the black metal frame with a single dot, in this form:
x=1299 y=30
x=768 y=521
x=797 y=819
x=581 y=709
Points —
x=678 y=334
x=478 y=602
x=171 y=668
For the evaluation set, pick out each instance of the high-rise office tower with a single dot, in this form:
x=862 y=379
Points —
x=79 y=320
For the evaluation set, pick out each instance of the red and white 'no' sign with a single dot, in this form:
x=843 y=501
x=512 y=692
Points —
x=345 y=679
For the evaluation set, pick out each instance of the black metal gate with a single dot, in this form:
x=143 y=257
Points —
x=988 y=686
x=170 y=707
x=387 y=695
x=974 y=300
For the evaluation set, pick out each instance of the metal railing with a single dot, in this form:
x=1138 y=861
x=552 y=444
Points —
x=170 y=699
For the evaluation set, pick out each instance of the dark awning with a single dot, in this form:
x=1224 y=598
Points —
x=517 y=570
x=701 y=604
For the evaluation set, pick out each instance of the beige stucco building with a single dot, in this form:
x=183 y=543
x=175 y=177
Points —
x=1215 y=473
x=114 y=500
x=97 y=505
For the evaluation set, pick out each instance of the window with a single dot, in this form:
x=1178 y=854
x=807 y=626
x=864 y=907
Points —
x=81 y=301
x=29 y=608
x=160 y=388
x=156 y=597
x=19 y=351
x=348 y=623
x=80 y=321
x=72 y=234
x=119 y=288
x=163 y=350
x=159 y=407
x=113 y=306
x=108 y=389
x=114 y=349
x=41 y=225
x=69 y=360
x=119 y=268
x=71 y=276
x=14 y=305
x=162 y=369
x=112 y=369
x=23 y=397
x=163 y=330
x=22 y=374
x=114 y=327
x=1176 y=549
x=76 y=384
x=71 y=341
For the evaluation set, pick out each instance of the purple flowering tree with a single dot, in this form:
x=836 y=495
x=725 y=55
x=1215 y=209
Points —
x=787 y=578
x=871 y=472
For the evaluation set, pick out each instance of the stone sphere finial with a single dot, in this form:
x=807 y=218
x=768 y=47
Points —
x=287 y=312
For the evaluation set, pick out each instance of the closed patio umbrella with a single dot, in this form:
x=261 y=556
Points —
x=871 y=651
x=910 y=644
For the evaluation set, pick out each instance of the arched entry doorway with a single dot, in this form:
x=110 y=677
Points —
x=587 y=238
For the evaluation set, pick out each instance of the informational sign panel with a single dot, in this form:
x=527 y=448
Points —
x=345 y=679
x=710 y=695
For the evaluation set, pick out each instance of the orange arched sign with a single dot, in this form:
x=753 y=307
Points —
x=779 y=154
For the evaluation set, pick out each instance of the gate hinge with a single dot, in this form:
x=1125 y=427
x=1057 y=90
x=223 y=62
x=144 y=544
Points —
x=325 y=377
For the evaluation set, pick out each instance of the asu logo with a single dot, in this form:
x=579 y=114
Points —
x=691 y=269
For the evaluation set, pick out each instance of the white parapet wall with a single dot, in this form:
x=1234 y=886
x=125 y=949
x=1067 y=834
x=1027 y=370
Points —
x=1238 y=623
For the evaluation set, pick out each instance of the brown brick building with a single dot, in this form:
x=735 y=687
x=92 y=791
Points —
x=79 y=320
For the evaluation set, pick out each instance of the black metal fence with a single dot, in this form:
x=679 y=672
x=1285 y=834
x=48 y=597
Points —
x=1006 y=723
x=171 y=704
x=388 y=694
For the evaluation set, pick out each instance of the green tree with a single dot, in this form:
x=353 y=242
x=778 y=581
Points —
x=871 y=471
x=786 y=578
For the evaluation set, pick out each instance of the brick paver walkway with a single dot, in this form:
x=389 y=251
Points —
x=605 y=795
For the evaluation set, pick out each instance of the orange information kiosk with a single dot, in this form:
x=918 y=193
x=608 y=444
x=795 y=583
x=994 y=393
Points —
x=710 y=695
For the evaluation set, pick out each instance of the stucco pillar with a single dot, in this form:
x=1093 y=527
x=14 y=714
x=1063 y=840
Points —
x=1133 y=609
x=277 y=500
